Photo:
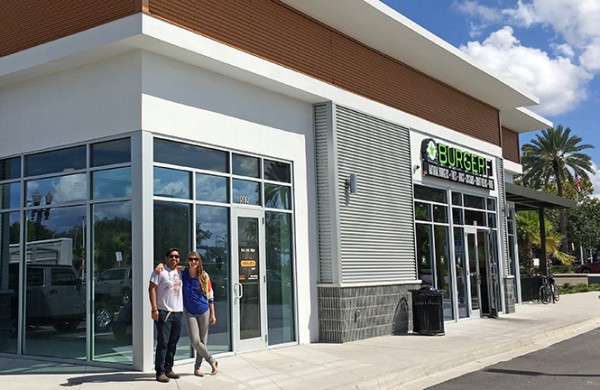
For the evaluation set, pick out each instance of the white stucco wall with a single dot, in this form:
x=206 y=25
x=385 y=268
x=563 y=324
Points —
x=187 y=102
x=71 y=106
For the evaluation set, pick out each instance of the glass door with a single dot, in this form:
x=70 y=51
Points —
x=249 y=287
x=474 y=279
x=482 y=275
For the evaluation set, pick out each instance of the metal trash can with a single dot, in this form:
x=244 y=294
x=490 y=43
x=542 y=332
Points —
x=428 y=311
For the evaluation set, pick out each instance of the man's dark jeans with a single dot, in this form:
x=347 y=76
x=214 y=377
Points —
x=168 y=328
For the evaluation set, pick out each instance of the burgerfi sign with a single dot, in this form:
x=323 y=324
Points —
x=455 y=164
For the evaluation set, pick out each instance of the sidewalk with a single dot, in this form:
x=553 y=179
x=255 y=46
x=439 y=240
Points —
x=389 y=362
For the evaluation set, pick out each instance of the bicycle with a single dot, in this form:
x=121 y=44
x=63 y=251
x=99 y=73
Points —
x=549 y=291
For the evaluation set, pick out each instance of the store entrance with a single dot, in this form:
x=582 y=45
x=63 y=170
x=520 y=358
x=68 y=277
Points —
x=483 y=299
x=249 y=288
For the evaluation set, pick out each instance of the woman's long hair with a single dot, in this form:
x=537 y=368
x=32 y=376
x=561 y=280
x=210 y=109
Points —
x=200 y=275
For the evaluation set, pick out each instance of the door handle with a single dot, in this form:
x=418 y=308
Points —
x=239 y=290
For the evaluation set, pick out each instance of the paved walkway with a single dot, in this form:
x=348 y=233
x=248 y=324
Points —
x=389 y=362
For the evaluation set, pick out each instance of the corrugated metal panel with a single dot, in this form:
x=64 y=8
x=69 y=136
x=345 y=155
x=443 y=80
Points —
x=376 y=222
x=323 y=117
x=502 y=209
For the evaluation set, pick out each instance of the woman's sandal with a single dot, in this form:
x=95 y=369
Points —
x=197 y=372
x=215 y=368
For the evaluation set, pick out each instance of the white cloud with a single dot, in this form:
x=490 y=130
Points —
x=595 y=179
x=560 y=76
x=575 y=22
x=557 y=82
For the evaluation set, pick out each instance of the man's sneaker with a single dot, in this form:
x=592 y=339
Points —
x=162 y=378
x=172 y=375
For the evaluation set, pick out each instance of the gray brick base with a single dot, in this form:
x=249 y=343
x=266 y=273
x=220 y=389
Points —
x=509 y=295
x=356 y=313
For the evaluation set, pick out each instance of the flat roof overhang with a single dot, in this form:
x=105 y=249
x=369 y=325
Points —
x=378 y=26
x=528 y=199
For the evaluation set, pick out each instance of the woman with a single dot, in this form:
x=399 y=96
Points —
x=199 y=309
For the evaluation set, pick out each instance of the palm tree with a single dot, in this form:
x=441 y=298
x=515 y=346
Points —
x=555 y=156
x=528 y=230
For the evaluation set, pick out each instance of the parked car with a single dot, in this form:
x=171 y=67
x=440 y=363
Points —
x=587 y=268
x=114 y=286
x=55 y=295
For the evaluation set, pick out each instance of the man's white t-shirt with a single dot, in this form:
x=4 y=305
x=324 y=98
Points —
x=168 y=289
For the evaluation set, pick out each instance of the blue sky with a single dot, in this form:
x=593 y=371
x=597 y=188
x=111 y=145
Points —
x=549 y=48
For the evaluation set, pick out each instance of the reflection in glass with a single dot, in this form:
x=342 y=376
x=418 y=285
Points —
x=246 y=192
x=55 y=302
x=111 y=183
x=176 y=153
x=212 y=242
x=461 y=272
x=245 y=165
x=55 y=190
x=111 y=152
x=172 y=228
x=171 y=183
x=440 y=213
x=277 y=171
x=278 y=197
x=457 y=216
x=112 y=290
x=476 y=218
x=212 y=188
x=476 y=202
x=10 y=230
x=422 y=211
x=10 y=195
x=249 y=266
x=10 y=168
x=55 y=161
x=280 y=298
x=424 y=254
x=442 y=268
x=430 y=194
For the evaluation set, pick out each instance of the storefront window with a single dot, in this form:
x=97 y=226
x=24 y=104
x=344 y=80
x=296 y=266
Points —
x=10 y=168
x=278 y=196
x=112 y=282
x=192 y=156
x=10 y=195
x=10 y=231
x=213 y=242
x=246 y=192
x=442 y=266
x=277 y=171
x=461 y=272
x=430 y=194
x=211 y=188
x=111 y=152
x=280 y=294
x=172 y=183
x=55 y=299
x=245 y=166
x=55 y=161
x=424 y=254
x=111 y=183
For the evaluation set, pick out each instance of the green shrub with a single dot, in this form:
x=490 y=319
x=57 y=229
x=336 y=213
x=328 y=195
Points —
x=569 y=288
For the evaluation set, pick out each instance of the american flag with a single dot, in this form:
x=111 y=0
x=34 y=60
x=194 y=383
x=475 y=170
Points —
x=577 y=183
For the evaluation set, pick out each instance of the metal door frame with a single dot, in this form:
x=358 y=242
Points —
x=257 y=343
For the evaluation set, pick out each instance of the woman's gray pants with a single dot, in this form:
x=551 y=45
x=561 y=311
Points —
x=197 y=327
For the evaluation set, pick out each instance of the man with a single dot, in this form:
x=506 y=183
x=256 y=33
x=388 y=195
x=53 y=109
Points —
x=167 y=310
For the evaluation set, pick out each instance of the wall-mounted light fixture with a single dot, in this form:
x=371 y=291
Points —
x=416 y=167
x=351 y=183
